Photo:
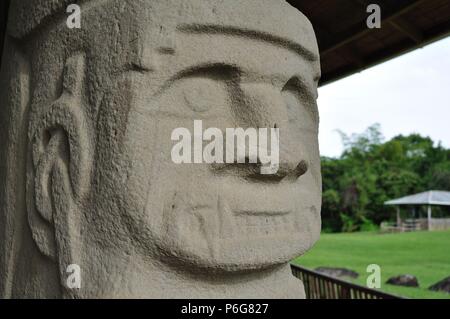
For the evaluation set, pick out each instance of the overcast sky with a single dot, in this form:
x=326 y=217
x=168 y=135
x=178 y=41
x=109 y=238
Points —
x=408 y=94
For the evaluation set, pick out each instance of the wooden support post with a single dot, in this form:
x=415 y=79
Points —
x=429 y=217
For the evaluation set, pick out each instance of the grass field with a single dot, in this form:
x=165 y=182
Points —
x=425 y=255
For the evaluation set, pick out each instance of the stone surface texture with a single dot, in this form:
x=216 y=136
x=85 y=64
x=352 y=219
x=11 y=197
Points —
x=86 y=176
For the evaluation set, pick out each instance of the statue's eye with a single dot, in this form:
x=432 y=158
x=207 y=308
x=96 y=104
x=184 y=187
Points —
x=200 y=91
x=202 y=94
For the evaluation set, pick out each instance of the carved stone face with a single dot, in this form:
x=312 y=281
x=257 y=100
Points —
x=202 y=214
x=92 y=114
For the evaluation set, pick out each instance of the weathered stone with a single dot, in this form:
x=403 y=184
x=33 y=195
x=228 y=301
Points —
x=337 y=272
x=403 y=280
x=443 y=285
x=86 y=171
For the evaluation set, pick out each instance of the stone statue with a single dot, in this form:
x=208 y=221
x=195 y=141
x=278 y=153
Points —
x=86 y=174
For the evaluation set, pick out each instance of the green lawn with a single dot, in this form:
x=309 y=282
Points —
x=425 y=255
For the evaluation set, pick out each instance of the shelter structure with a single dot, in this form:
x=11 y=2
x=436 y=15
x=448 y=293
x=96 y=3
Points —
x=416 y=222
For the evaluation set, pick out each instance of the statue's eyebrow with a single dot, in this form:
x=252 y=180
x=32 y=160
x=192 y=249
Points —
x=218 y=71
x=253 y=34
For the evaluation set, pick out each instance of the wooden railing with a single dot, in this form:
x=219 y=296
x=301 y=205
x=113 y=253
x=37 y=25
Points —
x=405 y=226
x=439 y=224
x=320 y=286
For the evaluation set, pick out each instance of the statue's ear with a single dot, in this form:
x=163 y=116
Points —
x=59 y=170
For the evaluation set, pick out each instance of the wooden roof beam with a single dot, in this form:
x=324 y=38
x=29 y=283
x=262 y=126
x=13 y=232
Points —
x=408 y=29
x=399 y=23
x=350 y=38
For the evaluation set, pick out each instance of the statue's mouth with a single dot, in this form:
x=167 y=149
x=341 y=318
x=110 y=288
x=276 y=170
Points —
x=259 y=209
x=264 y=224
x=260 y=199
x=252 y=215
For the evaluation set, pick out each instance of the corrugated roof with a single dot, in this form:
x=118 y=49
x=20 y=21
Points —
x=425 y=198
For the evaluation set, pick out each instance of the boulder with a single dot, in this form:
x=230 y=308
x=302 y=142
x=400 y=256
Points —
x=404 y=280
x=443 y=285
x=337 y=272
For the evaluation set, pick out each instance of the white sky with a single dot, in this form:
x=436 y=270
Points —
x=405 y=95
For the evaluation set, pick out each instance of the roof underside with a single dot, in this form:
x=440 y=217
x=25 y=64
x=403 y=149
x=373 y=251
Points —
x=347 y=45
x=425 y=198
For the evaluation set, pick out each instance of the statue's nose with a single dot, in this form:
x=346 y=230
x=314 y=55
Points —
x=262 y=105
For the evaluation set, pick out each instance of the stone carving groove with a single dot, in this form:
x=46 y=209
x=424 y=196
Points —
x=60 y=168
